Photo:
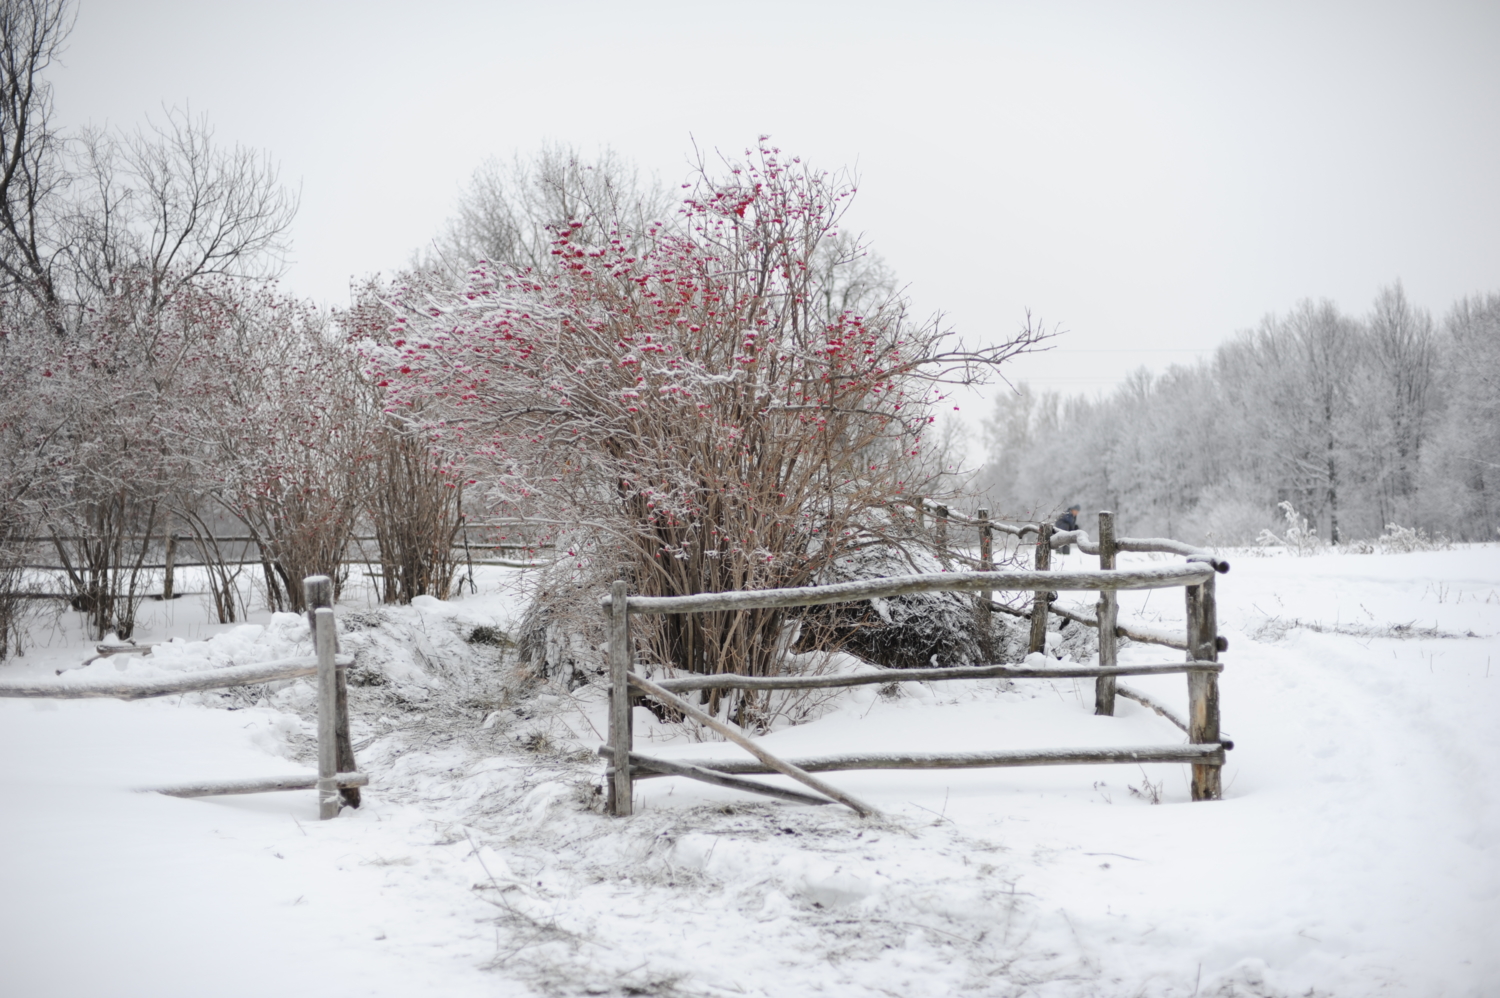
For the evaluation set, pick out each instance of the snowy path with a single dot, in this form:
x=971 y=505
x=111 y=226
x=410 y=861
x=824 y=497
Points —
x=1355 y=853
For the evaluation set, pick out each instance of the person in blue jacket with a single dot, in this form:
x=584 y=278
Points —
x=1068 y=521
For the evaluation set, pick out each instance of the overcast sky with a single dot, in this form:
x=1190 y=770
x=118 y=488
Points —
x=1152 y=177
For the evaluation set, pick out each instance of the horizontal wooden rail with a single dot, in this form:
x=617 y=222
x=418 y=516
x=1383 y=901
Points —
x=249 y=539
x=1147 y=545
x=190 y=682
x=105 y=651
x=1158 y=545
x=254 y=785
x=1156 y=577
x=944 y=513
x=729 y=681
x=1202 y=755
x=178 y=565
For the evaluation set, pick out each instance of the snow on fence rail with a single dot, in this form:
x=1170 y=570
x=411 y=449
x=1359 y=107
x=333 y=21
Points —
x=337 y=779
x=1201 y=642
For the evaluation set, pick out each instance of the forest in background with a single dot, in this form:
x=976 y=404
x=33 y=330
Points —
x=1357 y=422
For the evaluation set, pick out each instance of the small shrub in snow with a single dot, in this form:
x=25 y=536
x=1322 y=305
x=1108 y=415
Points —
x=1147 y=791
x=1299 y=536
x=1399 y=540
x=914 y=631
x=485 y=635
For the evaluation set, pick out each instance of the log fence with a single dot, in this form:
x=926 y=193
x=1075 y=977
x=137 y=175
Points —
x=249 y=554
x=1195 y=575
x=337 y=780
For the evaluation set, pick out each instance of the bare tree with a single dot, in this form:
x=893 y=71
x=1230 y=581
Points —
x=80 y=213
x=1404 y=343
x=509 y=213
x=32 y=176
x=1464 y=464
x=169 y=202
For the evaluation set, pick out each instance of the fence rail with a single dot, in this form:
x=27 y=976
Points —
x=1197 y=754
x=887 y=676
x=1196 y=576
x=337 y=779
x=901 y=585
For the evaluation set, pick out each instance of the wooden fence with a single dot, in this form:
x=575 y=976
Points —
x=337 y=781
x=1201 y=641
x=250 y=554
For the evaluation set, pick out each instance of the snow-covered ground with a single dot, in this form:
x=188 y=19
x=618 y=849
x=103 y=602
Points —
x=1355 y=852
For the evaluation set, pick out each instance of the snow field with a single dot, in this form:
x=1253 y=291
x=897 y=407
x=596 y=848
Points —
x=1353 y=854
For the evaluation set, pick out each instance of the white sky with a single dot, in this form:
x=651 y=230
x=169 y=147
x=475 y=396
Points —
x=1151 y=176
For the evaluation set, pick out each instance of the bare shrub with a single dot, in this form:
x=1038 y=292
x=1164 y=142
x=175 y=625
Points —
x=1297 y=535
x=222 y=568
x=107 y=558
x=1147 y=791
x=1397 y=538
x=415 y=503
x=107 y=439
x=14 y=588
x=288 y=463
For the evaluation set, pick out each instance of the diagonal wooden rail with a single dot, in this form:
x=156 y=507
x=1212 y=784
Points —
x=767 y=759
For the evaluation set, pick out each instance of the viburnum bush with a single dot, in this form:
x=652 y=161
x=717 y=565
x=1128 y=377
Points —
x=107 y=435
x=687 y=400
x=222 y=401
x=290 y=438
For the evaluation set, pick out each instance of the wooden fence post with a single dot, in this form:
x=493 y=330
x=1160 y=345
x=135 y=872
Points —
x=1040 y=599
x=318 y=591
x=1107 y=614
x=921 y=507
x=171 y=560
x=983 y=615
x=323 y=641
x=1203 y=687
x=619 y=698
x=940 y=538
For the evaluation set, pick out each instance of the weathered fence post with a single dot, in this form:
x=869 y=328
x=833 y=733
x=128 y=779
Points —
x=323 y=641
x=171 y=560
x=1041 y=598
x=983 y=614
x=1107 y=614
x=940 y=537
x=1203 y=687
x=318 y=591
x=619 y=698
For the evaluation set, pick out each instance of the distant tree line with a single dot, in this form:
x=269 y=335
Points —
x=1359 y=422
